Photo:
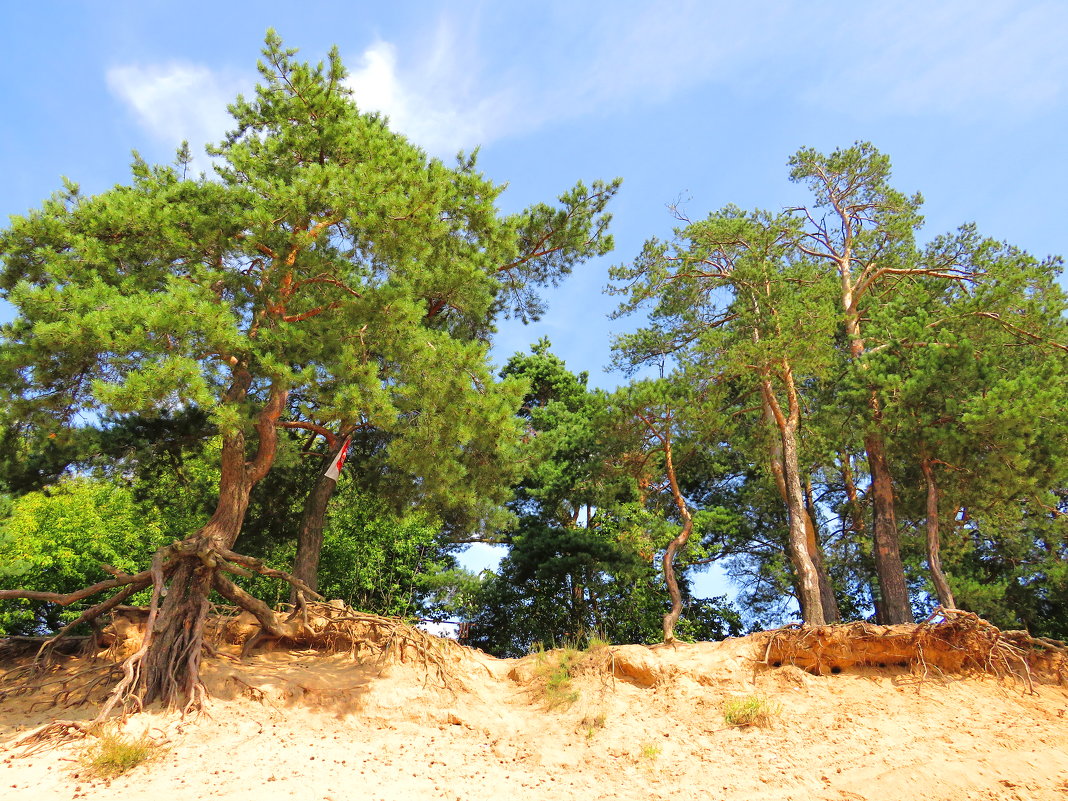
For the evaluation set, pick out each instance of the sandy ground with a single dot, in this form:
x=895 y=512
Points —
x=646 y=723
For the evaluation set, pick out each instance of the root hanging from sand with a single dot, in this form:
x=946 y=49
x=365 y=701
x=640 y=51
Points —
x=336 y=628
x=107 y=675
x=53 y=735
x=949 y=641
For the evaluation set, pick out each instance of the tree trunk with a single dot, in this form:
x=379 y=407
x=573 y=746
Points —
x=312 y=523
x=934 y=556
x=831 y=613
x=856 y=524
x=888 y=565
x=672 y=617
x=808 y=594
x=169 y=670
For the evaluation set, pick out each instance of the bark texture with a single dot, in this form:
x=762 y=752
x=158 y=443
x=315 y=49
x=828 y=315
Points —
x=784 y=467
x=889 y=568
x=934 y=546
x=313 y=522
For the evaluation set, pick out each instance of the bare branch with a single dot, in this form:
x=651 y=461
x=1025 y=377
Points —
x=77 y=595
x=323 y=431
x=258 y=566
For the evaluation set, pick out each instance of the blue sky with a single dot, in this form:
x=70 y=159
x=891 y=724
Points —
x=698 y=101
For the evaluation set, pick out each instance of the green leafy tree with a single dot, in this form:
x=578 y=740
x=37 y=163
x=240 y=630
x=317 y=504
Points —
x=292 y=287
x=550 y=241
x=372 y=559
x=665 y=427
x=582 y=559
x=564 y=565
x=864 y=231
x=57 y=542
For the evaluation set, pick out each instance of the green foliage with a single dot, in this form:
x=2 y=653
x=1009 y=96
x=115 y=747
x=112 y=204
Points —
x=377 y=562
x=329 y=258
x=954 y=349
x=55 y=541
x=374 y=560
x=578 y=584
x=569 y=573
x=558 y=583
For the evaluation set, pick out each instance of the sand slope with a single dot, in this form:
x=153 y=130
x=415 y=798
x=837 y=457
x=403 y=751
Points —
x=647 y=723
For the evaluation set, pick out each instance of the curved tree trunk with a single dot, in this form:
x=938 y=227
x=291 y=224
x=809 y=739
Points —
x=168 y=667
x=672 y=617
x=808 y=594
x=934 y=556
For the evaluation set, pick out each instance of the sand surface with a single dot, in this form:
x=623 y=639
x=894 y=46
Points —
x=644 y=723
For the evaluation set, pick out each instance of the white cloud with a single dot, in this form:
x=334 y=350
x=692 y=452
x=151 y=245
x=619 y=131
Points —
x=176 y=101
x=462 y=85
x=432 y=98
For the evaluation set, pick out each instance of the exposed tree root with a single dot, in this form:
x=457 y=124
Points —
x=57 y=687
x=949 y=641
x=166 y=665
x=113 y=674
x=54 y=734
x=336 y=628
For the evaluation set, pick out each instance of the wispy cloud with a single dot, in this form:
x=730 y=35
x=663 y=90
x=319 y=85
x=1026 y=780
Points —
x=946 y=58
x=433 y=96
x=176 y=101
x=458 y=85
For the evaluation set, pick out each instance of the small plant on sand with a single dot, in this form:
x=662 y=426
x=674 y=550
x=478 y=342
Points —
x=554 y=671
x=593 y=723
x=649 y=751
x=750 y=710
x=113 y=754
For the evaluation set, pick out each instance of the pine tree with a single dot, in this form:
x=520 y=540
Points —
x=295 y=285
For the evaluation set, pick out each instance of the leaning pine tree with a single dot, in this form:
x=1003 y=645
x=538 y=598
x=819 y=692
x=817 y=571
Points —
x=298 y=281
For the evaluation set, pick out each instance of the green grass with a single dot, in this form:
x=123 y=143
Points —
x=554 y=670
x=750 y=710
x=113 y=754
x=649 y=751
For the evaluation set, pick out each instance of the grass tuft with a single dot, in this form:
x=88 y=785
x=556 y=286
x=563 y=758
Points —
x=555 y=670
x=750 y=710
x=114 y=754
x=649 y=751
